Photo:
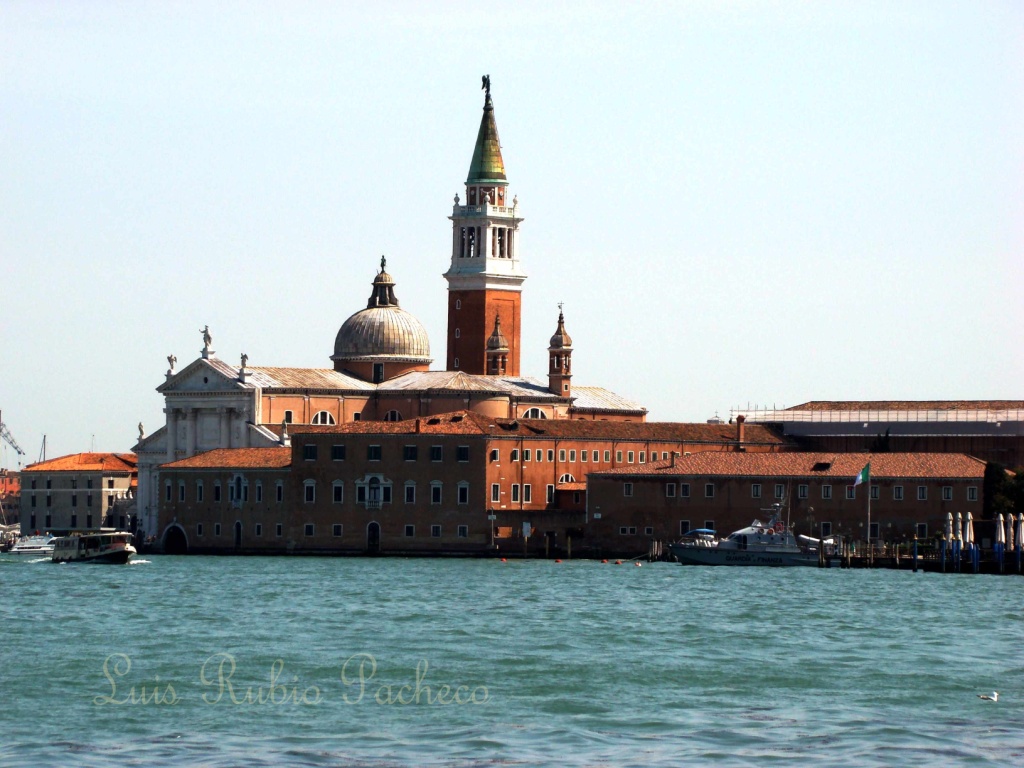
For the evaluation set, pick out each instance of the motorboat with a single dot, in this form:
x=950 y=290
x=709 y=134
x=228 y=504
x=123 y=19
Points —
x=102 y=547
x=770 y=543
x=34 y=545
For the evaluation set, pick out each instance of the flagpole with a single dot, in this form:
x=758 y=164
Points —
x=870 y=550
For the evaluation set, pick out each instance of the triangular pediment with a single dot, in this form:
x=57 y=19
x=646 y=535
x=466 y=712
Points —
x=203 y=375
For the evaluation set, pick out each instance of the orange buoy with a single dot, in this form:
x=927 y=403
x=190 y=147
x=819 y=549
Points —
x=637 y=564
x=504 y=560
x=604 y=561
x=558 y=561
x=618 y=562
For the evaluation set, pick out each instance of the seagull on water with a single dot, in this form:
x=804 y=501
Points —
x=986 y=697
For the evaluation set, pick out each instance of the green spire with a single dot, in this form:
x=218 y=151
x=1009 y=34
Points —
x=487 y=164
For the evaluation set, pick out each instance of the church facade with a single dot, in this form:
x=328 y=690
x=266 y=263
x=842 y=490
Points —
x=382 y=355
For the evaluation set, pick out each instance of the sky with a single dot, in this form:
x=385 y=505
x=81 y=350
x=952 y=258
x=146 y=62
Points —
x=739 y=203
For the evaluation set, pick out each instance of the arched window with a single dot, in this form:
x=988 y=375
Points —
x=567 y=478
x=323 y=417
x=392 y=416
x=535 y=413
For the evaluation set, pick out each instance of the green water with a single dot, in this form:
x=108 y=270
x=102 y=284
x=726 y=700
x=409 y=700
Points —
x=487 y=663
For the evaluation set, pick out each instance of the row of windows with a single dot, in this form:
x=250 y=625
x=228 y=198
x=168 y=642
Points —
x=74 y=483
x=570 y=455
x=238 y=490
x=375 y=452
x=48 y=521
x=380 y=493
x=74 y=500
x=309 y=529
x=803 y=491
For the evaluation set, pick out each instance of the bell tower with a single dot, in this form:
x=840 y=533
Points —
x=560 y=359
x=485 y=278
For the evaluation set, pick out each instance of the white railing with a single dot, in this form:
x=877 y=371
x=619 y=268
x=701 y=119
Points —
x=772 y=415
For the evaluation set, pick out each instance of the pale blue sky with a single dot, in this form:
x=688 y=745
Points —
x=738 y=202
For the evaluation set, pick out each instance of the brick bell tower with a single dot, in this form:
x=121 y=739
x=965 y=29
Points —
x=485 y=279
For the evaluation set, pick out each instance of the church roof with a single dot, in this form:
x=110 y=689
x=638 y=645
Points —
x=236 y=458
x=487 y=164
x=601 y=399
x=458 y=381
x=87 y=462
x=300 y=378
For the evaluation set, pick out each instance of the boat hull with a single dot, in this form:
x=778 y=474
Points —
x=716 y=556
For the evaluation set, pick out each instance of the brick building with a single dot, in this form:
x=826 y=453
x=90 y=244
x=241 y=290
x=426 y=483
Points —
x=79 y=492
x=911 y=493
x=452 y=483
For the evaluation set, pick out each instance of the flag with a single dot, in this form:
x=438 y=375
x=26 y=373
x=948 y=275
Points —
x=863 y=476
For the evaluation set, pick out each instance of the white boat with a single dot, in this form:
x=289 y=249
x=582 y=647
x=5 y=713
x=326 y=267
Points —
x=102 y=547
x=761 y=543
x=34 y=545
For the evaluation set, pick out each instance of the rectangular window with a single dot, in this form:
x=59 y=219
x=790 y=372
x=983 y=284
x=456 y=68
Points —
x=199 y=529
x=897 y=493
x=279 y=529
x=947 y=493
x=373 y=453
x=684 y=490
x=515 y=492
x=309 y=452
x=801 y=491
x=630 y=457
x=649 y=531
x=826 y=492
x=385 y=494
x=259 y=529
x=550 y=493
x=684 y=527
x=309 y=492
x=88 y=499
x=259 y=491
x=360 y=494
x=216 y=529
x=709 y=524
x=410 y=530
x=463 y=494
x=494 y=455
x=584 y=456
x=463 y=532
x=826 y=529
x=755 y=490
x=922 y=530
x=576 y=497
x=336 y=529
x=410 y=493
x=572 y=456
x=338 y=493
x=627 y=490
x=435 y=493
x=709 y=490
x=527 y=493
x=435 y=531
x=49 y=522
x=618 y=457
x=288 y=416
x=167 y=492
x=216 y=491
x=526 y=454
x=851 y=492
x=607 y=456
x=874 y=532
x=437 y=453
x=551 y=455
x=780 y=491
x=874 y=493
x=922 y=493
x=670 y=490
x=32 y=502
x=643 y=457
x=972 y=493
x=309 y=529
x=74 y=521
x=410 y=453
x=88 y=521
x=515 y=455
x=280 y=491
x=561 y=454
x=181 y=490
x=337 y=453
x=495 y=492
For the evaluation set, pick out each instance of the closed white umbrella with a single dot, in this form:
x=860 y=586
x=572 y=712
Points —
x=1019 y=534
x=1000 y=530
x=969 y=529
x=1009 y=531
x=947 y=535
x=958 y=529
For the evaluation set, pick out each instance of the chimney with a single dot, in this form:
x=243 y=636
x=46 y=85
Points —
x=674 y=455
x=418 y=428
x=739 y=428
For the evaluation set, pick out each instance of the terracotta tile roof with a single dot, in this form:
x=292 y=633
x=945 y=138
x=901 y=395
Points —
x=577 y=486
x=302 y=378
x=87 y=462
x=844 y=466
x=236 y=458
x=468 y=422
x=908 y=405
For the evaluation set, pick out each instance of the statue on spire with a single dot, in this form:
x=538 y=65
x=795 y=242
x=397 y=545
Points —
x=383 y=261
x=487 y=85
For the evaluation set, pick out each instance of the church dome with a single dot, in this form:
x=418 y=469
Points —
x=383 y=332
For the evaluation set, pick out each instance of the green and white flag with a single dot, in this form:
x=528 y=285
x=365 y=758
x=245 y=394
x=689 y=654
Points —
x=863 y=476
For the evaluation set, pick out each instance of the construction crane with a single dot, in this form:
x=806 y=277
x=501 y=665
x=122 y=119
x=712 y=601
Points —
x=8 y=437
